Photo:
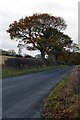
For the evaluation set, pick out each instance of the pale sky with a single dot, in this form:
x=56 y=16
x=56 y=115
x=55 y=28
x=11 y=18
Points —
x=11 y=10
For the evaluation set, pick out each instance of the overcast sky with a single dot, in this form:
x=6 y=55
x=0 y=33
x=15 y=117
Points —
x=11 y=10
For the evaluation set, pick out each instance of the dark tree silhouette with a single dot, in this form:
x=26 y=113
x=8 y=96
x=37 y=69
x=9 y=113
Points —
x=40 y=32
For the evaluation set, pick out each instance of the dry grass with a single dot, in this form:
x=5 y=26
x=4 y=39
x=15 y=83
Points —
x=63 y=102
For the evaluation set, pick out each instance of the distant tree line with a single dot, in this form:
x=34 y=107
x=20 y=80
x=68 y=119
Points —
x=12 y=52
x=8 y=52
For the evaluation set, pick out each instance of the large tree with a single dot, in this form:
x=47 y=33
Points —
x=39 y=32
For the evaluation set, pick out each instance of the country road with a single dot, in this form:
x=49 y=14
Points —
x=23 y=96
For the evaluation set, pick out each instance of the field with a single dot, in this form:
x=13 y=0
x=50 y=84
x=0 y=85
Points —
x=3 y=58
x=64 y=101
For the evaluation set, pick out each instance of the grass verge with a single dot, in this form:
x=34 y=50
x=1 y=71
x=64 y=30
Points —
x=9 y=72
x=63 y=102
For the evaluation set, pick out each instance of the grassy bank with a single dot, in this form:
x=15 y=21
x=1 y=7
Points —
x=9 y=72
x=63 y=102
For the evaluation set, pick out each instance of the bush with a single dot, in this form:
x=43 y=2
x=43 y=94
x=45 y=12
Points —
x=23 y=62
x=18 y=55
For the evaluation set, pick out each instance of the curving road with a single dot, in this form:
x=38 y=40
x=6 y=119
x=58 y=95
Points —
x=23 y=96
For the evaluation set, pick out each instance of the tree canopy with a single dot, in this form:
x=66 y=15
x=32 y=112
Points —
x=41 y=32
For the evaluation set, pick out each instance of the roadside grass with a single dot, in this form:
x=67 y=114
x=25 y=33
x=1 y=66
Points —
x=54 y=95
x=64 y=100
x=10 y=72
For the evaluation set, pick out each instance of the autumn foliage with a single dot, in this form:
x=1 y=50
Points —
x=41 y=32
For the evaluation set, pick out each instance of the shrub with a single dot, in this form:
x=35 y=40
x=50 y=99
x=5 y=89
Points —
x=23 y=62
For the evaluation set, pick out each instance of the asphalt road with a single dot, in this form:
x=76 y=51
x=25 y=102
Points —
x=23 y=96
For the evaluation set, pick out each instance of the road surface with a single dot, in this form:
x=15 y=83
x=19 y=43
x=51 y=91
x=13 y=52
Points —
x=23 y=96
